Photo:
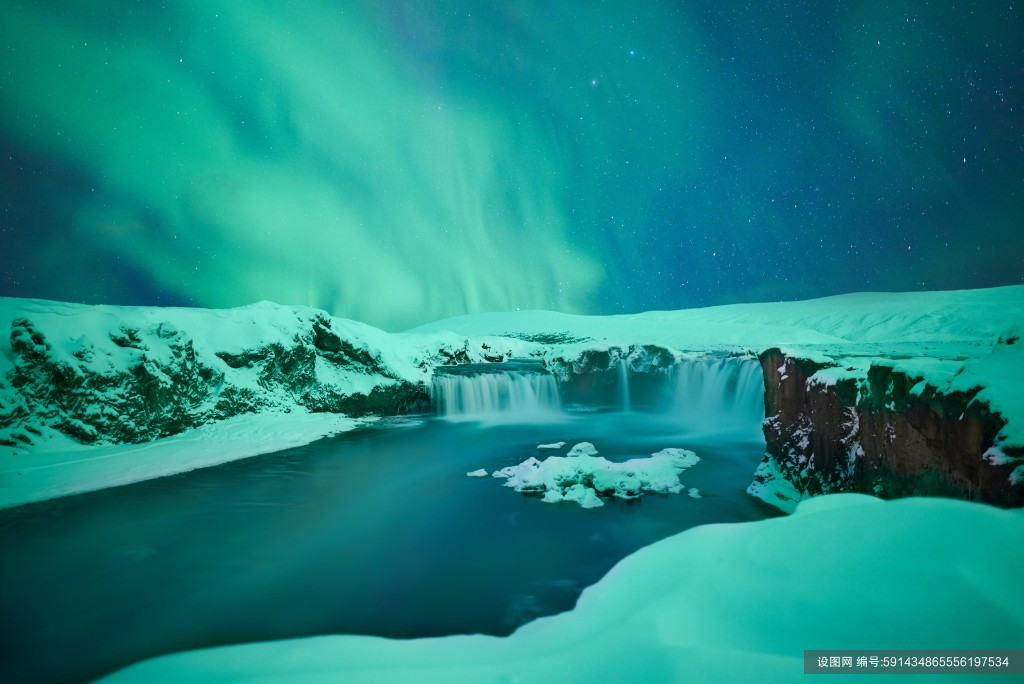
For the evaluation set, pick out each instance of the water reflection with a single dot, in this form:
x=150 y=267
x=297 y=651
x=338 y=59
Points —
x=374 y=532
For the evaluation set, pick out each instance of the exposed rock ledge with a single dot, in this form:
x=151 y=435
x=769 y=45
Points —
x=884 y=432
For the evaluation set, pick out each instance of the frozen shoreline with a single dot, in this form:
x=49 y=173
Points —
x=62 y=468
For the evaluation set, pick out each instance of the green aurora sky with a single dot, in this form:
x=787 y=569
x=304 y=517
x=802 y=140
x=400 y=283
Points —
x=400 y=161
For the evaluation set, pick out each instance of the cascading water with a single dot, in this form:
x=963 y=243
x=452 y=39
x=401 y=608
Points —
x=713 y=394
x=624 y=401
x=496 y=392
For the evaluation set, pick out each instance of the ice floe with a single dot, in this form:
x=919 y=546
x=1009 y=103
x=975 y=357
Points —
x=583 y=477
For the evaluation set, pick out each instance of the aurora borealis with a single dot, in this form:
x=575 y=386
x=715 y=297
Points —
x=396 y=162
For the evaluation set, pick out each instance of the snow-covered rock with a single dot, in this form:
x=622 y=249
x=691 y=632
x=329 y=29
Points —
x=891 y=427
x=121 y=374
x=583 y=477
x=103 y=374
x=583 y=449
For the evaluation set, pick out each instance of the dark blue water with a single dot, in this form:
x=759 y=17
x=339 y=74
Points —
x=377 y=531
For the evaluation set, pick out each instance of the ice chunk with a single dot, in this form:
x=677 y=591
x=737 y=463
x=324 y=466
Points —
x=584 y=478
x=553 y=445
x=583 y=449
x=582 y=495
x=477 y=473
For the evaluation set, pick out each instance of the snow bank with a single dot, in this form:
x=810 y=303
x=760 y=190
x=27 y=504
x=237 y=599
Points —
x=62 y=467
x=866 y=318
x=719 y=603
x=583 y=477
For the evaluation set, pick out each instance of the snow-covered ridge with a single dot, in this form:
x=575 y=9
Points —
x=964 y=318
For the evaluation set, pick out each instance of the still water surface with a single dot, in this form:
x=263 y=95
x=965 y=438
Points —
x=377 y=531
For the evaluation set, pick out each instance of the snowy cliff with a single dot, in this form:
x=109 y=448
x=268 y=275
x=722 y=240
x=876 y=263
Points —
x=125 y=374
x=886 y=431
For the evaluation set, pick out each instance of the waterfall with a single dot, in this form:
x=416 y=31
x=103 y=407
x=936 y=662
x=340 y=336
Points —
x=713 y=394
x=502 y=396
x=624 y=386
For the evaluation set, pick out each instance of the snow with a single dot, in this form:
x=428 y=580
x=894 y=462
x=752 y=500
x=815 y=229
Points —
x=62 y=467
x=581 y=476
x=773 y=488
x=232 y=331
x=1000 y=375
x=958 y=317
x=717 y=603
x=583 y=449
x=949 y=339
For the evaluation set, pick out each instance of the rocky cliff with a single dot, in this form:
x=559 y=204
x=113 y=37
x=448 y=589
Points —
x=144 y=380
x=884 y=432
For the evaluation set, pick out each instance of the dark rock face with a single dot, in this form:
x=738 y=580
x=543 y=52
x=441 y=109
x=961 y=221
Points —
x=160 y=392
x=873 y=435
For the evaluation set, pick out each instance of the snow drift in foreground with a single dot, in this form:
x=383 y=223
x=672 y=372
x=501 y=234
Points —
x=583 y=477
x=719 y=603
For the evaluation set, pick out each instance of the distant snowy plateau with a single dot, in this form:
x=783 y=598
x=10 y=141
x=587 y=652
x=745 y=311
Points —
x=891 y=395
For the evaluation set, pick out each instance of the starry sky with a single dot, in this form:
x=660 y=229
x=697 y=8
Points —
x=397 y=162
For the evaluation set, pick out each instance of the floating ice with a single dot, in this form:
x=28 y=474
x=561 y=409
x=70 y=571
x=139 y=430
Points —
x=583 y=449
x=583 y=477
x=477 y=473
x=553 y=445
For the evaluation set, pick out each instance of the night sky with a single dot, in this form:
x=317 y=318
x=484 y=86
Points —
x=396 y=161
